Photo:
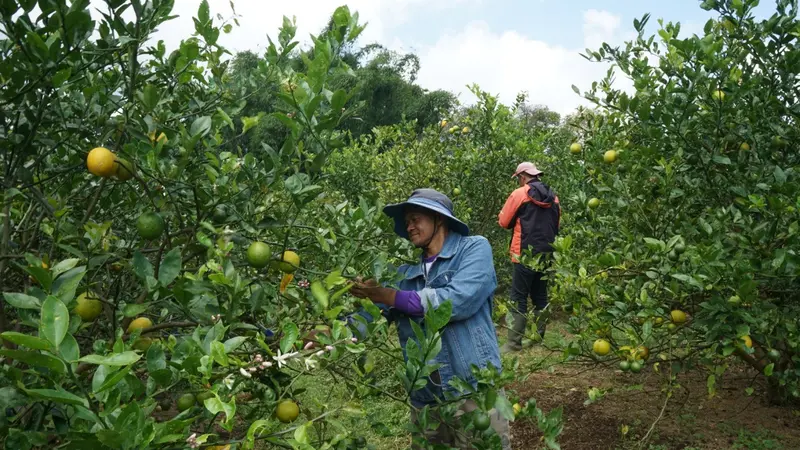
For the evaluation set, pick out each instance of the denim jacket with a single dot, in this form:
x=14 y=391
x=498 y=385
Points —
x=463 y=273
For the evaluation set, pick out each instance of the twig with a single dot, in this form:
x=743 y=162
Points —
x=653 y=426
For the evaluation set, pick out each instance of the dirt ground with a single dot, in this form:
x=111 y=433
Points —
x=621 y=419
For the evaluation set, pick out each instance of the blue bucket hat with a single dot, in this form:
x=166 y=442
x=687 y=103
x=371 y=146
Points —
x=431 y=200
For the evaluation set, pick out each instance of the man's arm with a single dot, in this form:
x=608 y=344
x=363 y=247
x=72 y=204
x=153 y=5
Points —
x=506 y=217
x=471 y=285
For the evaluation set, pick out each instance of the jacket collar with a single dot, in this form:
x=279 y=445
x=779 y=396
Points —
x=451 y=244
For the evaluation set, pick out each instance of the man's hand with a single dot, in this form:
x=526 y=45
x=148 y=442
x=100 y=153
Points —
x=311 y=337
x=372 y=290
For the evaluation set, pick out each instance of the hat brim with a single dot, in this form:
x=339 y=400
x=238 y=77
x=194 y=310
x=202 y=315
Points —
x=536 y=174
x=397 y=212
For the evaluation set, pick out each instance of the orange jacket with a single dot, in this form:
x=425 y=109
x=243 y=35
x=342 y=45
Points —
x=533 y=212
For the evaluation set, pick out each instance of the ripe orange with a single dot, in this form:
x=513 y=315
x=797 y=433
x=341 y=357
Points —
x=610 y=156
x=101 y=162
x=678 y=316
x=287 y=411
x=575 y=148
x=602 y=347
x=290 y=261
x=88 y=307
x=748 y=342
x=139 y=323
x=642 y=352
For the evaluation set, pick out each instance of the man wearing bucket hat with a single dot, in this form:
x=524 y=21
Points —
x=454 y=267
x=533 y=212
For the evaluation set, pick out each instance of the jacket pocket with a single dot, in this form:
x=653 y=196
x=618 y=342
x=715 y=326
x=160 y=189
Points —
x=441 y=280
x=483 y=344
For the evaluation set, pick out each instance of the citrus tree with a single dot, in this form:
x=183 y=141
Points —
x=680 y=249
x=162 y=275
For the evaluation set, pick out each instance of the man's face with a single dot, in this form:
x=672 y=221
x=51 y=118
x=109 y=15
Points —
x=420 y=226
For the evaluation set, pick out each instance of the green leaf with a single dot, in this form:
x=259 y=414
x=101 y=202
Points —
x=341 y=17
x=249 y=122
x=722 y=160
x=234 y=343
x=141 y=266
x=112 y=381
x=61 y=76
x=134 y=309
x=58 y=396
x=170 y=267
x=768 y=370
x=225 y=118
x=22 y=301
x=255 y=427
x=32 y=342
x=156 y=359
x=64 y=266
x=218 y=353
x=35 y=359
x=290 y=334
x=150 y=97
x=65 y=286
x=69 y=348
x=320 y=294
x=201 y=126
x=202 y=12
x=655 y=244
x=116 y=359
x=55 y=320
x=301 y=434
x=780 y=176
x=214 y=405
x=504 y=407
x=439 y=317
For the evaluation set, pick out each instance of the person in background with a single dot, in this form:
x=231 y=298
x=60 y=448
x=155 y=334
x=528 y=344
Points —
x=533 y=213
x=454 y=266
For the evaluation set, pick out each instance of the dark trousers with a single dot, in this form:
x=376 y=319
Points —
x=527 y=283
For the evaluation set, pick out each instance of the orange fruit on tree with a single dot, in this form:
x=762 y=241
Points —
x=150 y=225
x=186 y=401
x=290 y=261
x=124 y=169
x=575 y=148
x=258 y=254
x=101 y=162
x=287 y=411
x=677 y=316
x=610 y=156
x=642 y=352
x=601 y=347
x=748 y=342
x=88 y=306
x=139 y=324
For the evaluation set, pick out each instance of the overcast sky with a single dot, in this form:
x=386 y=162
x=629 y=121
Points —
x=505 y=46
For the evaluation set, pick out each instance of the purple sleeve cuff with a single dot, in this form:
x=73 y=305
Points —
x=409 y=303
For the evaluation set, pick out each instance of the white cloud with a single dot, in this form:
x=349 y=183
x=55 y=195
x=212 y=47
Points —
x=599 y=27
x=501 y=62
x=259 y=18
x=507 y=63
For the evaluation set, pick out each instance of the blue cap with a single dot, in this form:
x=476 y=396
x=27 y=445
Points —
x=431 y=200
